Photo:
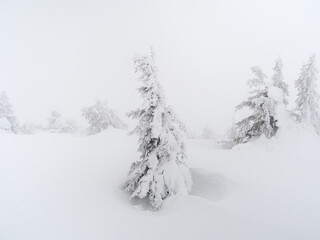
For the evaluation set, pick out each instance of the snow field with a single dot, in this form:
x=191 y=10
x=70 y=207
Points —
x=58 y=186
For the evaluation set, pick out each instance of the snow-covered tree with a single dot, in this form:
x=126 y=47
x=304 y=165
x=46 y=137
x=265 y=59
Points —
x=277 y=80
x=53 y=120
x=7 y=113
x=259 y=78
x=58 y=124
x=100 y=116
x=161 y=170
x=262 y=117
x=69 y=126
x=307 y=102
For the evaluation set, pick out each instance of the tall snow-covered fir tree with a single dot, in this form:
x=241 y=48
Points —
x=161 y=170
x=262 y=118
x=307 y=102
x=7 y=112
x=277 y=80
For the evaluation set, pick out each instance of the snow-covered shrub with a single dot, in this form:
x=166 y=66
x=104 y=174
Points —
x=161 y=170
x=58 y=124
x=7 y=114
x=307 y=102
x=30 y=128
x=69 y=126
x=262 y=118
x=100 y=116
x=54 y=119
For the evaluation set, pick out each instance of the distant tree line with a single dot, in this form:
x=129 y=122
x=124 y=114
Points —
x=98 y=115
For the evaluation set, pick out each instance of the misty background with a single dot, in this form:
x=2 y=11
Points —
x=62 y=55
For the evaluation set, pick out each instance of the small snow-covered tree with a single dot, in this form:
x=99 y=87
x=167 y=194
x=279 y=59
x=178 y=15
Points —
x=7 y=112
x=277 y=80
x=69 y=126
x=307 y=102
x=100 y=116
x=161 y=170
x=30 y=128
x=258 y=81
x=262 y=118
x=58 y=124
x=54 y=120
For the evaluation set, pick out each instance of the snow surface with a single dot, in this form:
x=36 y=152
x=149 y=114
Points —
x=61 y=186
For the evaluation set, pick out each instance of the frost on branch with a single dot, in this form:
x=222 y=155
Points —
x=161 y=170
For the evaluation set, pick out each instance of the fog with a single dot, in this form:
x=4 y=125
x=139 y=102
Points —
x=65 y=54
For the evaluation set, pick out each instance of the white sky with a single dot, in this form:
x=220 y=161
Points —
x=64 y=54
